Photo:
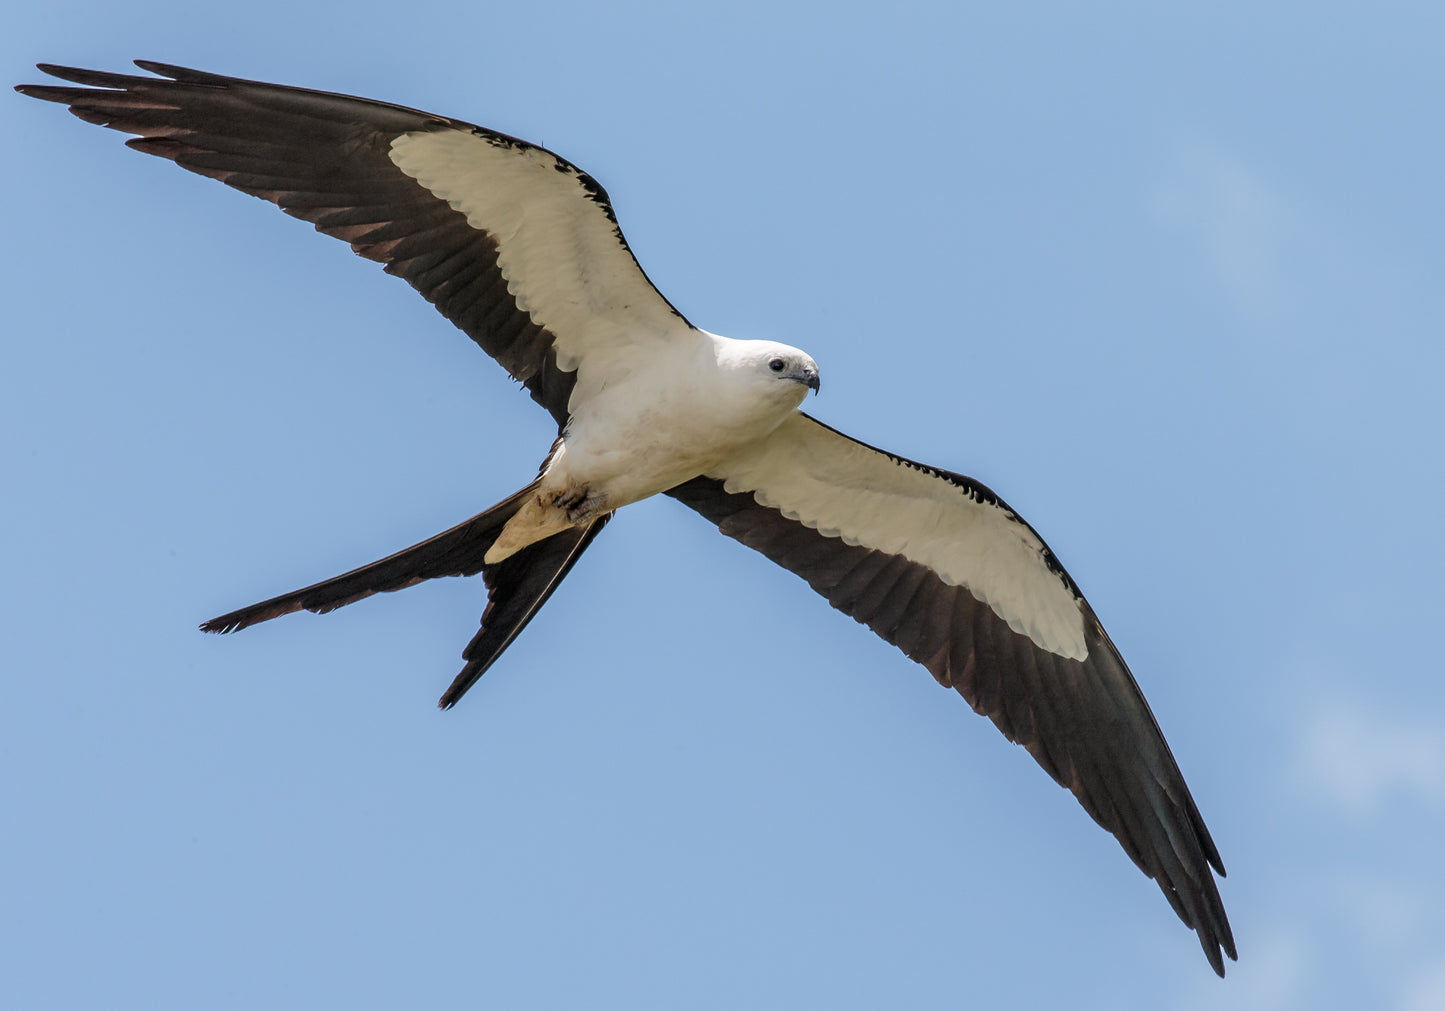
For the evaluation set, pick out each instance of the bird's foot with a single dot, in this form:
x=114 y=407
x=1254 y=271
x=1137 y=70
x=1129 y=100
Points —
x=579 y=504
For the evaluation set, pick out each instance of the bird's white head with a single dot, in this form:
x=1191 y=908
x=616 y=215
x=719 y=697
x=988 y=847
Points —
x=770 y=371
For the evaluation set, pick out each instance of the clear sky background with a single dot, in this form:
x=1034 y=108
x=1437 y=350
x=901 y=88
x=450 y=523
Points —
x=1170 y=283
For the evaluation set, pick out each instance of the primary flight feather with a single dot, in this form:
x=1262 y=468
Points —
x=521 y=250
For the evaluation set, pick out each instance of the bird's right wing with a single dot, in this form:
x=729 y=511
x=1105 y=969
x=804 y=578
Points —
x=939 y=566
x=516 y=246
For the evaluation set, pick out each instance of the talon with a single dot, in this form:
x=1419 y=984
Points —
x=585 y=509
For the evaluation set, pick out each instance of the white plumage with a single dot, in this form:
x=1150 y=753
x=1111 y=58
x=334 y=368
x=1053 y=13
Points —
x=521 y=250
x=848 y=490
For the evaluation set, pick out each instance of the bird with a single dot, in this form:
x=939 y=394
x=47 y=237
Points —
x=521 y=250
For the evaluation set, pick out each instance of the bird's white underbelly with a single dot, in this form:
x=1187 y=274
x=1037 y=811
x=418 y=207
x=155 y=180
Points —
x=647 y=425
x=625 y=452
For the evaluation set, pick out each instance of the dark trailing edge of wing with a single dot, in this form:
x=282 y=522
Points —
x=1085 y=722
x=322 y=157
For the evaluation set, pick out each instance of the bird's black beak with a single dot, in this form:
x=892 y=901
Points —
x=811 y=381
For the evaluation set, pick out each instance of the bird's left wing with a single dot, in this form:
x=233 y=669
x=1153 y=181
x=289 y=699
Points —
x=516 y=246
x=938 y=565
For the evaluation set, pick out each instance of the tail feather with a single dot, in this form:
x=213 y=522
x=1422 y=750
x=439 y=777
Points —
x=517 y=588
x=454 y=552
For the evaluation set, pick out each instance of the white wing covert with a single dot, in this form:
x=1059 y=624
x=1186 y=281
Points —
x=941 y=567
x=521 y=251
x=516 y=246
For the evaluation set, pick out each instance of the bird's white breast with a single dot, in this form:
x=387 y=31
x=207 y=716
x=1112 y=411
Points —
x=670 y=415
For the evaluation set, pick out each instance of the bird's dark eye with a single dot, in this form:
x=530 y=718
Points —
x=777 y=365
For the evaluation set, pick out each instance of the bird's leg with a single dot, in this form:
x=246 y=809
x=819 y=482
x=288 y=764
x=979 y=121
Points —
x=543 y=515
x=580 y=504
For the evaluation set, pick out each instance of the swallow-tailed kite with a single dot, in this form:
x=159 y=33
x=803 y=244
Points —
x=521 y=250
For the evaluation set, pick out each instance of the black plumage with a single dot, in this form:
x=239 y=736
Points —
x=1085 y=722
x=325 y=158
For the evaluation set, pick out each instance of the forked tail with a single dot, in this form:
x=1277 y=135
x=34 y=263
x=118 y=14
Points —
x=517 y=586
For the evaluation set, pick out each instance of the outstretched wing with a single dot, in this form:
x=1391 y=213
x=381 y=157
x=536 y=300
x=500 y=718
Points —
x=939 y=566
x=517 y=247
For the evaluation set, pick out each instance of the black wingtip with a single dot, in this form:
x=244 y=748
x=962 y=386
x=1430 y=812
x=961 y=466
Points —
x=93 y=80
x=106 y=80
x=1218 y=943
x=1216 y=959
x=178 y=73
x=80 y=75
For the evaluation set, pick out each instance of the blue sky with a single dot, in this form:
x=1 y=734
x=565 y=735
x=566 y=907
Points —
x=1170 y=284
